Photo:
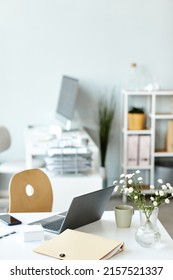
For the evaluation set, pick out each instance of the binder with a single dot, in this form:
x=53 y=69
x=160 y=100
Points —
x=132 y=150
x=169 y=137
x=144 y=150
x=76 y=245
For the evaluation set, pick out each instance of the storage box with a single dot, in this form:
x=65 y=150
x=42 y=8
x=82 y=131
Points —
x=136 y=121
x=32 y=233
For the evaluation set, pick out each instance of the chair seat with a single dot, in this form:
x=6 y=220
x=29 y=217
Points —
x=19 y=165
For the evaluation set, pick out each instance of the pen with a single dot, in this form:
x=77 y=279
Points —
x=8 y=234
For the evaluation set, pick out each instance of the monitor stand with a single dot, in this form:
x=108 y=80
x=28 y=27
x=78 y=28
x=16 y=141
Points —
x=68 y=125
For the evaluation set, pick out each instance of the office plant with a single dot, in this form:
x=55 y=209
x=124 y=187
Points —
x=105 y=115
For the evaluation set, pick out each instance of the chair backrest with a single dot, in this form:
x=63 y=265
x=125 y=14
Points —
x=5 y=139
x=30 y=191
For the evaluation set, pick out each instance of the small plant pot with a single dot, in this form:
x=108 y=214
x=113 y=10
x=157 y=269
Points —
x=136 y=121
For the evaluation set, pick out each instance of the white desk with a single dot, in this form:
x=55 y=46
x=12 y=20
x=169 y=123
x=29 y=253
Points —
x=14 y=248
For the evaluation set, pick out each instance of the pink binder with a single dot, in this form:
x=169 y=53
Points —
x=132 y=150
x=144 y=150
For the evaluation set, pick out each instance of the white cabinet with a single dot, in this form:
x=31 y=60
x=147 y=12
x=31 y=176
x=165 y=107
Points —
x=39 y=141
x=65 y=185
x=150 y=142
x=65 y=188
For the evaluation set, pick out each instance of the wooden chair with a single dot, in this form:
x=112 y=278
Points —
x=30 y=191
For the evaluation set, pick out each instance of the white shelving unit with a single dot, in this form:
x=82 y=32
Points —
x=158 y=107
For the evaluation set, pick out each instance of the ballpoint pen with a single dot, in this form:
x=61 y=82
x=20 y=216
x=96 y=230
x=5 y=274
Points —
x=7 y=234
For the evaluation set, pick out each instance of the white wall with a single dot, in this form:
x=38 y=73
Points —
x=92 y=40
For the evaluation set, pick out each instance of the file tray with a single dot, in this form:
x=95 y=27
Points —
x=68 y=160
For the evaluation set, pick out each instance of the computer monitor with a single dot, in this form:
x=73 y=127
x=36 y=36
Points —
x=67 y=102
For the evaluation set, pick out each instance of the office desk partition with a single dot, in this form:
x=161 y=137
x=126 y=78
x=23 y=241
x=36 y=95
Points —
x=14 y=248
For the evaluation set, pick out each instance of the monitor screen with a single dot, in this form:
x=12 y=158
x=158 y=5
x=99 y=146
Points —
x=67 y=100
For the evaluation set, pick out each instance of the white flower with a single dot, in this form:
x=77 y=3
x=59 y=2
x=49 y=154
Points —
x=121 y=181
x=164 y=187
x=130 y=181
x=140 y=178
x=131 y=190
x=130 y=185
x=155 y=203
x=129 y=176
x=167 y=201
x=116 y=188
x=114 y=182
x=161 y=193
x=160 y=181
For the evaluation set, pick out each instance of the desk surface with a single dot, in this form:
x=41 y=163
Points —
x=14 y=248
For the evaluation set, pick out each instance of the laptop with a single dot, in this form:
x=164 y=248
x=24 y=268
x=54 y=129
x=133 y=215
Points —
x=84 y=209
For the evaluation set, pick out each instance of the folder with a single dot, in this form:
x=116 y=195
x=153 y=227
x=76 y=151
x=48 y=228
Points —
x=169 y=137
x=144 y=150
x=132 y=150
x=76 y=245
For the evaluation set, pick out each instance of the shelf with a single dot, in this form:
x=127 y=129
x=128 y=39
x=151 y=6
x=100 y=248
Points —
x=144 y=131
x=163 y=116
x=136 y=167
x=163 y=154
x=138 y=92
x=149 y=93
x=136 y=147
x=163 y=93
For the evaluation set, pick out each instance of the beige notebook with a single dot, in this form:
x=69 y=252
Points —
x=76 y=245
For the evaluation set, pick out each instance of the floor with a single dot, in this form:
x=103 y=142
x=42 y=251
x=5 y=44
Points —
x=165 y=212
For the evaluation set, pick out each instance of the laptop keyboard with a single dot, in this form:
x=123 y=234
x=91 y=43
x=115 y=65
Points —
x=55 y=225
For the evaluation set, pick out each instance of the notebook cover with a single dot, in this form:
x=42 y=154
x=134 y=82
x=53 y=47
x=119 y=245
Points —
x=76 y=245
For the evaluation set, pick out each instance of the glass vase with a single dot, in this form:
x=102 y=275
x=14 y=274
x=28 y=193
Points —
x=148 y=235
